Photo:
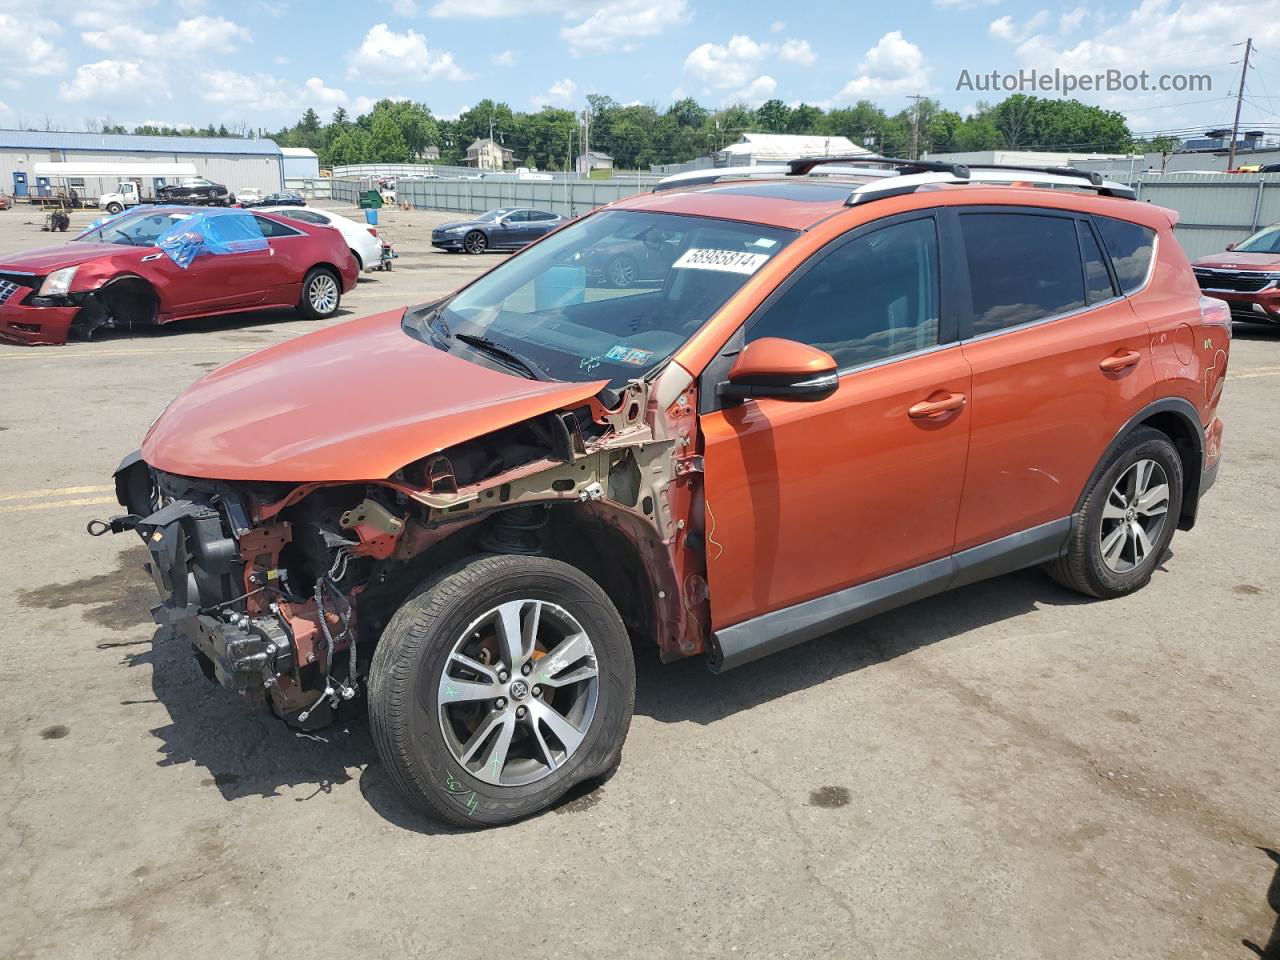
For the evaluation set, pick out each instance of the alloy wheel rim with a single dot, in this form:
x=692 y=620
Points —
x=518 y=693
x=475 y=243
x=324 y=293
x=1134 y=515
x=623 y=273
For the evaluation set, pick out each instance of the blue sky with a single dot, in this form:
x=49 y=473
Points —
x=263 y=63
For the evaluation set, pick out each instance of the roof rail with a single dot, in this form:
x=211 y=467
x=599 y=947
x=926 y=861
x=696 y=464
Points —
x=798 y=168
x=1090 y=175
x=696 y=178
x=992 y=173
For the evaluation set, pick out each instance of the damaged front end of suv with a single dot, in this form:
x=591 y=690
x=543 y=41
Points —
x=283 y=590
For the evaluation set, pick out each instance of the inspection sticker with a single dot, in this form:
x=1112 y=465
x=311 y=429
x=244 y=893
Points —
x=729 y=261
x=624 y=354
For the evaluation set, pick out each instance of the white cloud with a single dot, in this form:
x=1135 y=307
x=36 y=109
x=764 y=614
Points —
x=404 y=56
x=1071 y=20
x=797 y=51
x=894 y=65
x=1006 y=28
x=507 y=58
x=29 y=50
x=197 y=35
x=723 y=67
x=756 y=92
x=6 y=113
x=237 y=90
x=558 y=92
x=316 y=94
x=777 y=26
x=601 y=25
x=615 y=26
x=110 y=78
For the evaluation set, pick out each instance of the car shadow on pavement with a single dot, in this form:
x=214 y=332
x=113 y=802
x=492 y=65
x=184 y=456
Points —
x=1255 y=331
x=257 y=322
x=685 y=690
x=1271 y=949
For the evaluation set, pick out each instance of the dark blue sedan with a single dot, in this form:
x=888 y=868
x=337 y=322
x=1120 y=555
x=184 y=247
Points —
x=508 y=228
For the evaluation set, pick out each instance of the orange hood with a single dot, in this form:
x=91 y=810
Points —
x=356 y=401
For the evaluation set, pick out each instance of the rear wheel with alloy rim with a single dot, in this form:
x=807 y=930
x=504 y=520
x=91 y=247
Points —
x=1127 y=520
x=321 y=294
x=499 y=686
x=475 y=242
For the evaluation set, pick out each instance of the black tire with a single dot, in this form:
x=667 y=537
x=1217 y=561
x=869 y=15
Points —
x=475 y=242
x=415 y=649
x=114 y=208
x=359 y=263
x=1083 y=568
x=621 y=273
x=321 y=294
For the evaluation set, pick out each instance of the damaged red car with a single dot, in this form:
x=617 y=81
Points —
x=827 y=397
x=152 y=266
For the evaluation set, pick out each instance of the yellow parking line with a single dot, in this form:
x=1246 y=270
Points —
x=55 y=492
x=1254 y=374
x=83 y=502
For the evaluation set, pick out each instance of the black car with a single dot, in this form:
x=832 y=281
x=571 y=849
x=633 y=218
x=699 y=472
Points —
x=194 y=189
x=641 y=258
x=277 y=200
x=508 y=228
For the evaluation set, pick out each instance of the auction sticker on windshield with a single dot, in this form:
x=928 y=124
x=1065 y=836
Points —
x=729 y=261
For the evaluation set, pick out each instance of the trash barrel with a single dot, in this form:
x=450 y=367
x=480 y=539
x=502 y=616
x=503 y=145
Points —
x=371 y=216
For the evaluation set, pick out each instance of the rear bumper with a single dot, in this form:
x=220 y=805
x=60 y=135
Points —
x=34 y=325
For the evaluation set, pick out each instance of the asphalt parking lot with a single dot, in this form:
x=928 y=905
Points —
x=1006 y=771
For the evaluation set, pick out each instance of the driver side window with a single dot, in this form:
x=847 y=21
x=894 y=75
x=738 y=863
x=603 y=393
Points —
x=873 y=298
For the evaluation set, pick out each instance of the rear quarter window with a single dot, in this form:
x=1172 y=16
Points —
x=1130 y=246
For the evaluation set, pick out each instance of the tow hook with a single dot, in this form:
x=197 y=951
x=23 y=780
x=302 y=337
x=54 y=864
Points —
x=96 y=528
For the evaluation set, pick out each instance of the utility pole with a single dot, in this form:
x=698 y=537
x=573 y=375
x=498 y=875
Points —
x=915 y=127
x=1235 y=124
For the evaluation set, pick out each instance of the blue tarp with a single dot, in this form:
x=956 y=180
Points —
x=215 y=232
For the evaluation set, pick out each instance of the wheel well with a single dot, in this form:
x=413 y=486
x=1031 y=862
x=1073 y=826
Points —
x=130 y=300
x=358 y=259
x=611 y=559
x=1188 y=443
x=337 y=274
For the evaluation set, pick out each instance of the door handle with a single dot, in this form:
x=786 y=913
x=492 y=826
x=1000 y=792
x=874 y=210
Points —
x=1119 y=361
x=936 y=409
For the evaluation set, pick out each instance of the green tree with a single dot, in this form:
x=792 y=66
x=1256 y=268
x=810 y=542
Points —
x=774 y=116
x=386 y=139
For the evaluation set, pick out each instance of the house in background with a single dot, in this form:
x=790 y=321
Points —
x=592 y=161
x=430 y=152
x=488 y=154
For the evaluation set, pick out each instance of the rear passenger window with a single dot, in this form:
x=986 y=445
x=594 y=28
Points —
x=1097 y=279
x=1130 y=247
x=1022 y=267
x=873 y=298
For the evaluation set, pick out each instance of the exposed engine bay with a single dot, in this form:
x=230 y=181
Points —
x=283 y=590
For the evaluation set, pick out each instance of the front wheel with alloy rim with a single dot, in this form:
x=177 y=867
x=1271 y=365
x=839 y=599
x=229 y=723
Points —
x=500 y=685
x=475 y=242
x=321 y=294
x=622 y=272
x=1127 y=519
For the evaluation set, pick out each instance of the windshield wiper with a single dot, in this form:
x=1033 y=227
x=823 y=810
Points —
x=505 y=354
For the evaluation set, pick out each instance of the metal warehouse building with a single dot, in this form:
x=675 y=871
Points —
x=231 y=161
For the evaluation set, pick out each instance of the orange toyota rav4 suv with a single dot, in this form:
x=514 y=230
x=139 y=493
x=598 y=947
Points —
x=813 y=394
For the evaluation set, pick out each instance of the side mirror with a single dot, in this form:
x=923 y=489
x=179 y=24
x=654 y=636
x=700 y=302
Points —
x=1231 y=246
x=785 y=369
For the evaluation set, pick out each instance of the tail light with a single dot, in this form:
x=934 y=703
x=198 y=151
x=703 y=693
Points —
x=372 y=230
x=1215 y=313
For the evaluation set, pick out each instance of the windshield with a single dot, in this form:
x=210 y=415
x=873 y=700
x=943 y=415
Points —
x=610 y=297
x=1266 y=240
x=135 y=230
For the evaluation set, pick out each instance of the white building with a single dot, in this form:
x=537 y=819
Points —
x=234 y=162
x=593 y=160
x=756 y=148
x=300 y=163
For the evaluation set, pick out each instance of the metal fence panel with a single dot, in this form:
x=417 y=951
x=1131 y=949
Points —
x=465 y=195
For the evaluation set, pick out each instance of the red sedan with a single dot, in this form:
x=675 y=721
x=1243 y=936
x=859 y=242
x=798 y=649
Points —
x=168 y=263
